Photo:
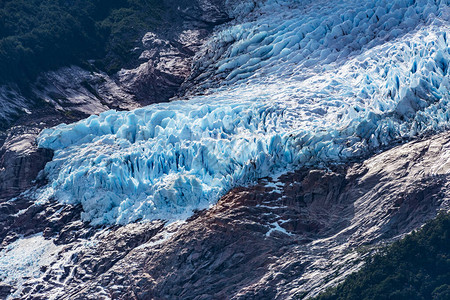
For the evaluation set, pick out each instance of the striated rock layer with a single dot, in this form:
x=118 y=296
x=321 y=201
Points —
x=325 y=85
x=290 y=236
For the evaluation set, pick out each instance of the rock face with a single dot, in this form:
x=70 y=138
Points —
x=284 y=237
x=20 y=161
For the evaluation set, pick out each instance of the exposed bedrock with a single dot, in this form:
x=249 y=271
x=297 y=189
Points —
x=20 y=158
x=20 y=161
x=285 y=237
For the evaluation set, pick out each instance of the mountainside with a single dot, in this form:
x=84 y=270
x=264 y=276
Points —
x=413 y=268
x=296 y=139
x=290 y=236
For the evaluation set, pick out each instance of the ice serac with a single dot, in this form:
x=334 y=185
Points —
x=330 y=83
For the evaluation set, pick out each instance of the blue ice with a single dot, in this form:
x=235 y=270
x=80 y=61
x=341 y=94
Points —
x=291 y=83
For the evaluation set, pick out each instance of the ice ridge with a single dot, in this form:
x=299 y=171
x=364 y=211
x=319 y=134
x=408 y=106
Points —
x=322 y=87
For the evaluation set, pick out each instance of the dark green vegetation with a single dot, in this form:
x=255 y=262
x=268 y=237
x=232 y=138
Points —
x=416 y=267
x=40 y=35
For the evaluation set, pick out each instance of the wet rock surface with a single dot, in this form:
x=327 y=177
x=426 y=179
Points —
x=20 y=158
x=290 y=236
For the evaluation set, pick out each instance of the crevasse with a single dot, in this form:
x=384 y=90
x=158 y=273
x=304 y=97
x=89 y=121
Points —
x=291 y=83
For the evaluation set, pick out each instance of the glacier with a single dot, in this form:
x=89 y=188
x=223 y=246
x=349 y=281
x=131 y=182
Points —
x=286 y=84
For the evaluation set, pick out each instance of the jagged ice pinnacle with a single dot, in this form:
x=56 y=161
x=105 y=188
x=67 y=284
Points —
x=289 y=84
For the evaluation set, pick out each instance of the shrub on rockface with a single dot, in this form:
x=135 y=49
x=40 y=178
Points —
x=416 y=267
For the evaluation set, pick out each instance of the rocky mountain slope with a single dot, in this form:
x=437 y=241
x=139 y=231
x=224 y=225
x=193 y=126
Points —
x=290 y=236
x=300 y=137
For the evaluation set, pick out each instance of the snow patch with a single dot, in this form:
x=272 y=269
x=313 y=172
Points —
x=23 y=259
x=275 y=226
